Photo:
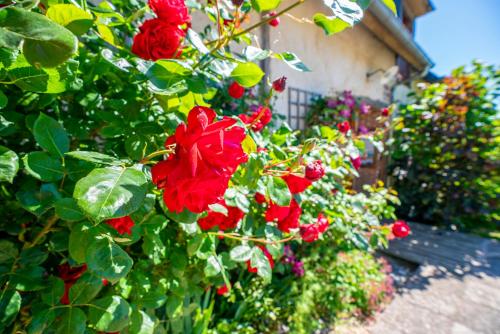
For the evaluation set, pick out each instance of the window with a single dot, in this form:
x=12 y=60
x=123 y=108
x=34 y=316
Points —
x=299 y=102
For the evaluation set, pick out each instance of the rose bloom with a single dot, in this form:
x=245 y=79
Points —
x=259 y=198
x=173 y=12
x=69 y=275
x=207 y=153
x=385 y=112
x=311 y=232
x=236 y=91
x=296 y=183
x=222 y=290
x=234 y=215
x=400 y=229
x=260 y=118
x=356 y=162
x=275 y=21
x=344 y=127
x=269 y=258
x=287 y=216
x=158 y=39
x=315 y=170
x=122 y=225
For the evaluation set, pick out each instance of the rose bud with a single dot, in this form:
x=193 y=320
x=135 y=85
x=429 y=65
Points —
x=279 y=85
x=385 y=112
x=356 y=162
x=236 y=91
x=223 y=290
x=259 y=198
x=315 y=170
x=275 y=21
x=400 y=229
x=237 y=3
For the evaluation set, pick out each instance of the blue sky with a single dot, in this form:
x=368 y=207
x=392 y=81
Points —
x=459 y=31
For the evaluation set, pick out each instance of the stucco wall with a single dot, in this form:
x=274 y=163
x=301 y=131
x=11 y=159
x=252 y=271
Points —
x=337 y=62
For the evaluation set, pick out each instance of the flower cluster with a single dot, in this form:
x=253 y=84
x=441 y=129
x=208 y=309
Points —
x=207 y=153
x=311 y=232
x=161 y=37
x=223 y=221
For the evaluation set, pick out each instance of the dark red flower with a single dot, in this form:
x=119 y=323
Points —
x=275 y=21
x=279 y=85
x=259 y=198
x=222 y=290
x=158 y=40
x=236 y=91
x=322 y=222
x=173 y=12
x=311 y=232
x=287 y=216
x=260 y=118
x=296 y=183
x=356 y=162
x=344 y=127
x=385 y=112
x=269 y=258
x=69 y=275
x=234 y=215
x=315 y=170
x=400 y=229
x=207 y=153
x=237 y=2
x=122 y=225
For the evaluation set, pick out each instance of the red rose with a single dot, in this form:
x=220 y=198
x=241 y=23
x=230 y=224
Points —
x=207 y=154
x=236 y=91
x=385 y=112
x=344 y=127
x=158 y=39
x=122 y=225
x=69 y=275
x=279 y=85
x=173 y=12
x=315 y=170
x=356 y=162
x=269 y=258
x=400 y=229
x=296 y=184
x=309 y=232
x=287 y=216
x=275 y=21
x=221 y=291
x=322 y=222
x=259 y=198
x=234 y=215
x=260 y=118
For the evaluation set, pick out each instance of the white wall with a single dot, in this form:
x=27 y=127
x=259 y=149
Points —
x=337 y=62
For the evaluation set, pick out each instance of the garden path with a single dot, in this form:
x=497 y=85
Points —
x=454 y=287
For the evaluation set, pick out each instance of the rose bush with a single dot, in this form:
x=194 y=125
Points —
x=128 y=198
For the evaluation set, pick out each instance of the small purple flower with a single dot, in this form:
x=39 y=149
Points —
x=298 y=269
x=331 y=103
x=363 y=130
x=364 y=108
x=349 y=99
x=346 y=113
x=253 y=107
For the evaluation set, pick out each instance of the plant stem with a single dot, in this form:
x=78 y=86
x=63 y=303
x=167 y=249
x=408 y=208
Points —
x=236 y=236
x=48 y=225
x=156 y=154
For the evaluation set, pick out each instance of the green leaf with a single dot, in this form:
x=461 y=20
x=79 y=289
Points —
x=80 y=238
x=166 y=73
x=278 y=192
x=72 y=320
x=46 y=43
x=247 y=74
x=9 y=164
x=346 y=10
x=265 y=5
x=213 y=266
x=141 y=323
x=391 y=5
x=53 y=293
x=109 y=314
x=136 y=146
x=293 y=61
x=85 y=289
x=28 y=279
x=43 y=167
x=111 y=192
x=95 y=157
x=261 y=262
x=38 y=201
x=8 y=251
x=331 y=25
x=3 y=100
x=252 y=53
x=68 y=210
x=241 y=253
x=108 y=260
x=10 y=304
x=73 y=18
x=50 y=135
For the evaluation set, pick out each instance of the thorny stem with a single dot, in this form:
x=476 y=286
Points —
x=237 y=236
x=147 y=158
x=50 y=222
